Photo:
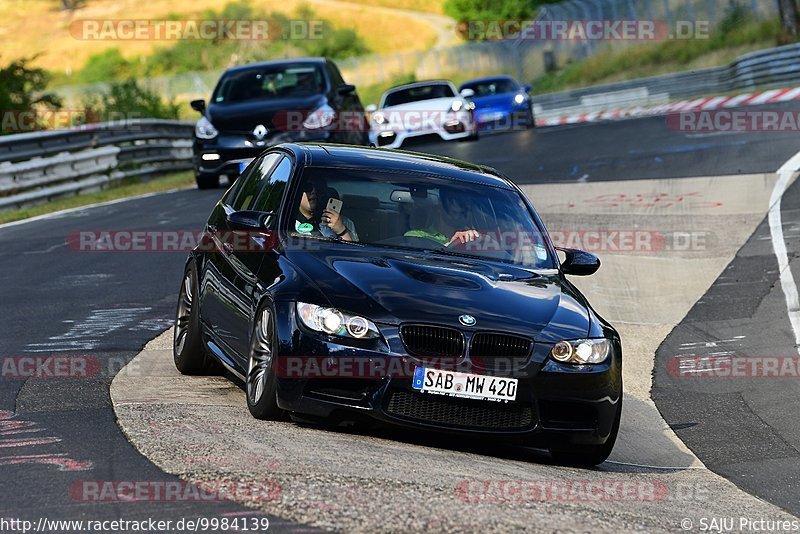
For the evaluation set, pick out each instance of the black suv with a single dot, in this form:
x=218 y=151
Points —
x=259 y=105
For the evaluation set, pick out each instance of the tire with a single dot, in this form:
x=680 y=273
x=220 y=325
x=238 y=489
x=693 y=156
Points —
x=588 y=455
x=471 y=138
x=530 y=120
x=207 y=181
x=188 y=350
x=260 y=383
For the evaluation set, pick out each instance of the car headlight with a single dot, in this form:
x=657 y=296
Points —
x=456 y=105
x=519 y=99
x=204 y=129
x=581 y=351
x=334 y=322
x=378 y=117
x=319 y=118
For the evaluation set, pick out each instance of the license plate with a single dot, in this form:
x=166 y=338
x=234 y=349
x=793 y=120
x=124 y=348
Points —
x=453 y=384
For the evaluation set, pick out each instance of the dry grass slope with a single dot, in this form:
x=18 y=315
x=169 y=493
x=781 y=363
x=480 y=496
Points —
x=30 y=27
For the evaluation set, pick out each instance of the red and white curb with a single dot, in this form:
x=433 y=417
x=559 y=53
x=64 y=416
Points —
x=699 y=104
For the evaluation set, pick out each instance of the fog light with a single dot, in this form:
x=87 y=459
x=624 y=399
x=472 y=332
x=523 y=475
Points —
x=210 y=157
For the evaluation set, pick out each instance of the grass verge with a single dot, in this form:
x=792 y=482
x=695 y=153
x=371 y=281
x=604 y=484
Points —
x=123 y=190
x=732 y=39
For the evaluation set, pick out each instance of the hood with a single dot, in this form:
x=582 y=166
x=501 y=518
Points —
x=275 y=114
x=399 y=286
x=503 y=100
x=433 y=104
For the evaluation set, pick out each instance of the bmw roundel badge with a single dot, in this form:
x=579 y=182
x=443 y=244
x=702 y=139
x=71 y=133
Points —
x=467 y=320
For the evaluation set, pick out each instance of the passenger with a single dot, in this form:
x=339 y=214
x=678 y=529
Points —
x=310 y=220
x=451 y=220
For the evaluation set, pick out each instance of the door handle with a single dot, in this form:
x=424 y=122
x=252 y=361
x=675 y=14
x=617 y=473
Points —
x=227 y=247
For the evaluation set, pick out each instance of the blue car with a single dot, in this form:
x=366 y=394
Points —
x=500 y=102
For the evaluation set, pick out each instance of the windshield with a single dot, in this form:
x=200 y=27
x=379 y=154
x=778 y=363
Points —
x=420 y=212
x=492 y=87
x=273 y=82
x=415 y=94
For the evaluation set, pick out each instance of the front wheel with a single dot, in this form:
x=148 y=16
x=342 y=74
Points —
x=261 y=385
x=588 y=455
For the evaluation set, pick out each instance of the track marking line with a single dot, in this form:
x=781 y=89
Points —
x=665 y=467
x=788 y=285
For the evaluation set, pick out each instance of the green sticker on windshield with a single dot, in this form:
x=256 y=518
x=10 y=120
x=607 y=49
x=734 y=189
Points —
x=541 y=252
x=305 y=228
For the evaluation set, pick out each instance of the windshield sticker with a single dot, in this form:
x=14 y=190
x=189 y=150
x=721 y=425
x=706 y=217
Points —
x=304 y=228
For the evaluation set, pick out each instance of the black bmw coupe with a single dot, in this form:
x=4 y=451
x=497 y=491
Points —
x=343 y=283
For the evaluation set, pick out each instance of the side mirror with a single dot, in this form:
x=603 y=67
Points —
x=249 y=219
x=198 y=105
x=579 y=263
x=346 y=89
x=467 y=93
x=371 y=108
x=527 y=88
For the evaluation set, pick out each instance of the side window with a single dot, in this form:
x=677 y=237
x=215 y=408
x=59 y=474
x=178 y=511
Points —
x=334 y=75
x=269 y=199
x=251 y=182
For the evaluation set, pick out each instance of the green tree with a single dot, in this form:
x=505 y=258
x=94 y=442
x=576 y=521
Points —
x=22 y=87
x=129 y=100
x=107 y=65
x=484 y=12
x=490 y=9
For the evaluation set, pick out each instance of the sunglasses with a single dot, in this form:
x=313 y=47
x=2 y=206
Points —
x=307 y=187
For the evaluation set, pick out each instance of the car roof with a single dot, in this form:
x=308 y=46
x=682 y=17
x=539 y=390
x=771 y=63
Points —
x=418 y=84
x=274 y=62
x=488 y=79
x=370 y=158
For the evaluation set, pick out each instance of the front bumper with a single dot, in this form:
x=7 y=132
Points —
x=456 y=125
x=229 y=149
x=342 y=382
x=501 y=118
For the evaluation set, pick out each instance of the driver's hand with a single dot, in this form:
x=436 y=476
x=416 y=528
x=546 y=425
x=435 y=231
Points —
x=465 y=236
x=333 y=220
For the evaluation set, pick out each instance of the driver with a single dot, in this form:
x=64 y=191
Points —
x=327 y=223
x=453 y=221
x=306 y=81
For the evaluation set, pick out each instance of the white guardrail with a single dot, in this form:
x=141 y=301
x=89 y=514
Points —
x=764 y=69
x=40 y=166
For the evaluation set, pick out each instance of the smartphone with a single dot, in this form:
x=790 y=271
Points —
x=334 y=204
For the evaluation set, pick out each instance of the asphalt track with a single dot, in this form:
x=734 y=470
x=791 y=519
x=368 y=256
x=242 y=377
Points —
x=745 y=428
x=108 y=305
